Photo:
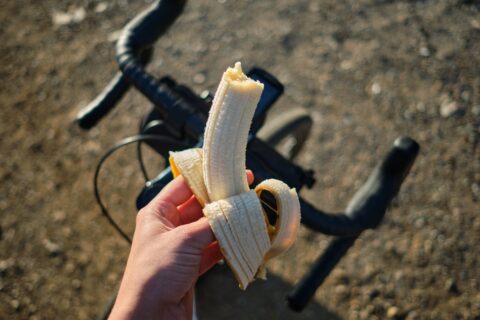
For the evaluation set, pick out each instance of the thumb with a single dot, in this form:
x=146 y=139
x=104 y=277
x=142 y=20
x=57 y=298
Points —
x=199 y=233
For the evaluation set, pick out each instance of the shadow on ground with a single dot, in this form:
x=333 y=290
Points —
x=262 y=299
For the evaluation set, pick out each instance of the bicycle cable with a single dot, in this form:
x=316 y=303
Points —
x=122 y=143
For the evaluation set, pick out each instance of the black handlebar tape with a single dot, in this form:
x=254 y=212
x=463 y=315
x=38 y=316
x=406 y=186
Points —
x=103 y=103
x=369 y=204
x=328 y=223
x=365 y=210
x=305 y=289
x=140 y=33
x=90 y=115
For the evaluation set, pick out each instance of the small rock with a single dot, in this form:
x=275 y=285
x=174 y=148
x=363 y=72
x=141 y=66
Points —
x=83 y=259
x=199 y=78
x=113 y=36
x=76 y=283
x=73 y=15
x=475 y=24
x=341 y=289
x=5 y=265
x=15 y=304
x=408 y=115
x=476 y=189
x=424 y=52
x=314 y=7
x=32 y=308
x=476 y=110
x=450 y=108
x=101 y=7
x=53 y=248
x=451 y=287
x=420 y=107
x=413 y=315
x=392 y=312
x=465 y=95
x=69 y=267
x=59 y=216
x=376 y=89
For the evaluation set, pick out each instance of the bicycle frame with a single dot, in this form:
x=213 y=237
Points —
x=180 y=115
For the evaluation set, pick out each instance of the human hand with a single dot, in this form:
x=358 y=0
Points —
x=172 y=246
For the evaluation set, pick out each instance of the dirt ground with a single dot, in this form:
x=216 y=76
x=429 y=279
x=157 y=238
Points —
x=368 y=71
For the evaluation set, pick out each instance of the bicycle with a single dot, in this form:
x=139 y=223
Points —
x=177 y=120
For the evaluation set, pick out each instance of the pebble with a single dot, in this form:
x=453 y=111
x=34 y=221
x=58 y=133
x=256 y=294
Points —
x=451 y=286
x=392 y=312
x=59 y=216
x=74 y=15
x=5 y=265
x=476 y=110
x=113 y=36
x=101 y=7
x=53 y=248
x=420 y=107
x=450 y=108
x=376 y=89
x=424 y=52
x=199 y=78
x=15 y=304
x=76 y=283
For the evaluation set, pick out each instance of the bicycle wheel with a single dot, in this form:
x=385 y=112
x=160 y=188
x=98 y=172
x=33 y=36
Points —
x=287 y=132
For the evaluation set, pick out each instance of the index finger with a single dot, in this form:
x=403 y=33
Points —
x=175 y=192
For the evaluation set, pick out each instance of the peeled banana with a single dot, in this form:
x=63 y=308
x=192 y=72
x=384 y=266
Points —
x=216 y=175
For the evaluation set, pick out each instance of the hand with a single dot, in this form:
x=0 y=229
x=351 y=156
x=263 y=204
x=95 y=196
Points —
x=172 y=246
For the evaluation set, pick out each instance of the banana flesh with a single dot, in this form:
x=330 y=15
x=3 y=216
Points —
x=216 y=175
x=226 y=134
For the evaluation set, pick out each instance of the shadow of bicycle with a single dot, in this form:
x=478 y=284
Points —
x=218 y=297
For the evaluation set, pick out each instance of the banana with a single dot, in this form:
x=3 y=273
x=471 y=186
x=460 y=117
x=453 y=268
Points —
x=226 y=134
x=216 y=175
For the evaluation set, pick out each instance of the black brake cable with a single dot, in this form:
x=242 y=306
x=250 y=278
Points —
x=143 y=169
x=122 y=143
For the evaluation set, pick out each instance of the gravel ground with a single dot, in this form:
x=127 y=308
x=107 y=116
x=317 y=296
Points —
x=367 y=71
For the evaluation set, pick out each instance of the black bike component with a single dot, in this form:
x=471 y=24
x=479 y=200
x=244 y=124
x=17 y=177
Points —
x=181 y=115
x=153 y=187
x=366 y=210
x=267 y=163
x=159 y=127
x=370 y=203
x=305 y=289
x=140 y=33
x=122 y=143
x=264 y=161
x=272 y=90
x=332 y=224
x=295 y=123
x=90 y=115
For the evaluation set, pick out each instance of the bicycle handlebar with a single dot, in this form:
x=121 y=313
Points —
x=365 y=211
x=134 y=49
x=89 y=116
x=141 y=33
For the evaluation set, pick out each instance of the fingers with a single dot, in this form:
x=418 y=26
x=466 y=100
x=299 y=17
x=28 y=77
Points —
x=190 y=211
x=199 y=234
x=176 y=192
x=211 y=255
x=250 y=177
